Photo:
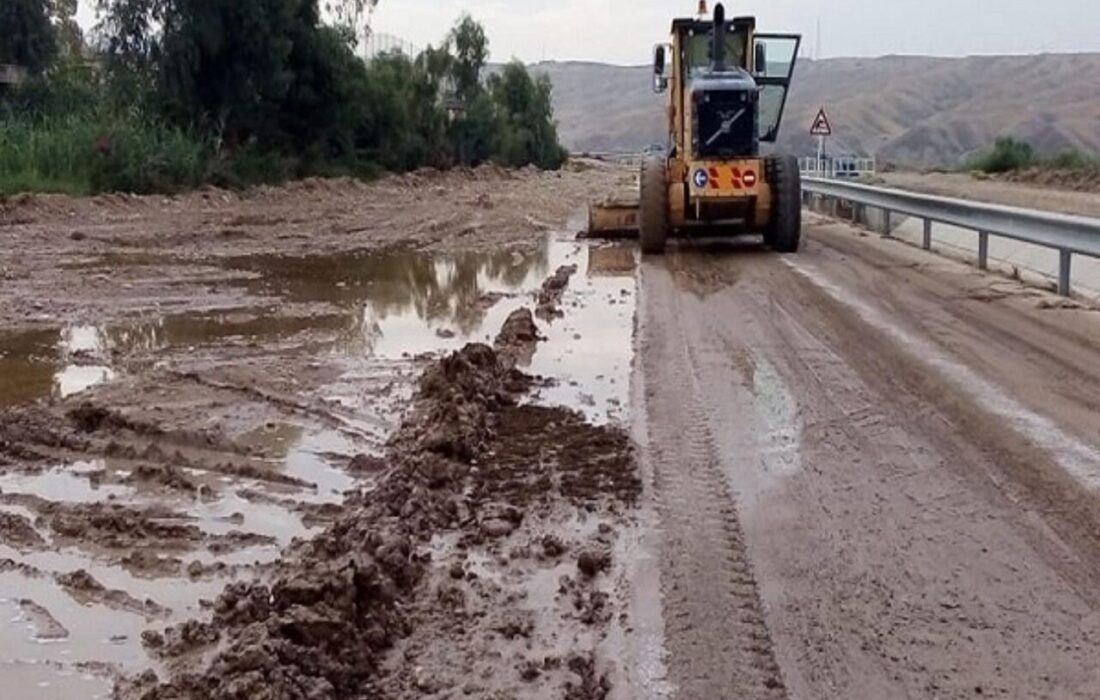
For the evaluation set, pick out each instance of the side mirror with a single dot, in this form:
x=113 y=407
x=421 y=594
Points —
x=660 y=82
x=760 y=61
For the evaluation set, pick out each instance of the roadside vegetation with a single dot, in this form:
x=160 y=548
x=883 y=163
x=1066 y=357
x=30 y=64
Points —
x=171 y=94
x=1009 y=155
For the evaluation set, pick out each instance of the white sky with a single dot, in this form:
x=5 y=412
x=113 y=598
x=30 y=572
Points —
x=623 y=31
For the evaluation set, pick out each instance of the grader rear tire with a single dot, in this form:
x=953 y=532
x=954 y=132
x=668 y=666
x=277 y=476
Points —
x=784 y=232
x=653 y=212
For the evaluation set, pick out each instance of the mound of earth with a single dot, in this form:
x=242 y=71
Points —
x=469 y=465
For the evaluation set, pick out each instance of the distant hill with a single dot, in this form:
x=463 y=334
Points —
x=916 y=111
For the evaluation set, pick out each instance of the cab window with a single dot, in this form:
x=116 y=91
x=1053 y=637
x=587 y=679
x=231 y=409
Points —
x=697 y=50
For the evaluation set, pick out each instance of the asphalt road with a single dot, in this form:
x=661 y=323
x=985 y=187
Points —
x=874 y=472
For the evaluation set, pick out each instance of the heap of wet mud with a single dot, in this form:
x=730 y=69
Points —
x=549 y=297
x=470 y=461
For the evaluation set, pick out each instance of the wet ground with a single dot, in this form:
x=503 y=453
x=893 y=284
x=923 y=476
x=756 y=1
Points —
x=875 y=471
x=222 y=435
x=413 y=439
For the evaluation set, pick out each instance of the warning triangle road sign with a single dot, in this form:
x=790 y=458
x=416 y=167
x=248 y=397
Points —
x=821 y=126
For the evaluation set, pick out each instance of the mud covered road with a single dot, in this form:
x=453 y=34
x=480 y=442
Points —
x=877 y=474
x=413 y=439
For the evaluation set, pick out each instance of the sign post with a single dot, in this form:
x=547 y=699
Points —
x=822 y=129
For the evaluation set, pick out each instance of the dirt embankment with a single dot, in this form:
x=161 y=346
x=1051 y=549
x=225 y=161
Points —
x=447 y=546
x=1045 y=190
x=1075 y=180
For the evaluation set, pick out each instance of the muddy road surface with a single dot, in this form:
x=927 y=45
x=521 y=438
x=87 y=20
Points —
x=413 y=439
x=876 y=472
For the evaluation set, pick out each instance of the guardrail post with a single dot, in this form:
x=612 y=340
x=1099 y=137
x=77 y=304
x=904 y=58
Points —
x=1064 y=260
x=983 y=250
x=927 y=242
x=886 y=222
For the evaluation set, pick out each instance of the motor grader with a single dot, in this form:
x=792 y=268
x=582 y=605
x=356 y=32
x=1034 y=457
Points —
x=727 y=89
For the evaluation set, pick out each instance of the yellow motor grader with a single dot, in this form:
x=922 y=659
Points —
x=727 y=88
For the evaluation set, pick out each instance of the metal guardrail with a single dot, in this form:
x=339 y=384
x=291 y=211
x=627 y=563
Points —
x=1065 y=233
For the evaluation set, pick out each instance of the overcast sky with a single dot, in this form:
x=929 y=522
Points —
x=623 y=31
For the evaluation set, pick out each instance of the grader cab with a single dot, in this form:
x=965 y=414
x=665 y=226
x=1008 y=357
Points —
x=727 y=88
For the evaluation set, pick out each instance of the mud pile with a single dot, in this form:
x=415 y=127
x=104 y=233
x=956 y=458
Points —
x=518 y=338
x=468 y=460
x=552 y=290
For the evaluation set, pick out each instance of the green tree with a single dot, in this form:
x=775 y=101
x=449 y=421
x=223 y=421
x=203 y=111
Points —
x=408 y=127
x=351 y=17
x=70 y=38
x=474 y=132
x=26 y=35
x=264 y=72
x=225 y=65
x=528 y=133
x=473 y=128
x=471 y=51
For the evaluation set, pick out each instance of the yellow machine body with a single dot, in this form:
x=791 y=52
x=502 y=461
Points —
x=732 y=186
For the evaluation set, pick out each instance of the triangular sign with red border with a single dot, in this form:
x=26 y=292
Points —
x=821 y=126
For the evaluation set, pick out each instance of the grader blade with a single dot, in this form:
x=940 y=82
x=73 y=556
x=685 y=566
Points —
x=614 y=218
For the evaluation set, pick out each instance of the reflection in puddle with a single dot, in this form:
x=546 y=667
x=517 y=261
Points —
x=589 y=351
x=51 y=681
x=383 y=305
x=52 y=363
x=401 y=302
x=64 y=484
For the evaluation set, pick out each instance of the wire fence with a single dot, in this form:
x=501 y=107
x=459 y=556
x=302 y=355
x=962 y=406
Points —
x=839 y=168
x=381 y=44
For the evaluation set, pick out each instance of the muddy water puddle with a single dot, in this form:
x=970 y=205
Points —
x=385 y=305
x=57 y=363
x=368 y=314
x=405 y=303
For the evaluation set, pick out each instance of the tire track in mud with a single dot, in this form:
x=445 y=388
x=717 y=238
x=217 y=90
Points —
x=911 y=516
x=718 y=640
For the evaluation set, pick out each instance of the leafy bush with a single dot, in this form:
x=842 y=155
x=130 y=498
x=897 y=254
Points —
x=1007 y=154
x=1074 y=160
x=85 y=153
x=1010 y=154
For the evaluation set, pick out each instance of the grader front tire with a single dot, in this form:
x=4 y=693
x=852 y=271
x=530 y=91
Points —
x=784 y=232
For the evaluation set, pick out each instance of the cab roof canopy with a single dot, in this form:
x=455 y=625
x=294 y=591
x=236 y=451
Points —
x=701 y=25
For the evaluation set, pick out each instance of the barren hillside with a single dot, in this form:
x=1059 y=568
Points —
x=912 y=110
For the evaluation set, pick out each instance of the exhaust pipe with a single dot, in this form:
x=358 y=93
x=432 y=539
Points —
x=718 y=51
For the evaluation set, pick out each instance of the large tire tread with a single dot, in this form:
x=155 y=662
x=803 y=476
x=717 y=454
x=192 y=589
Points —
x=653 y=209
x=784 y=233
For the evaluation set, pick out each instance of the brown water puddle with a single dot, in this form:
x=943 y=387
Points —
x=59 y=362
x=406 y=303
x=387 y=305
x=368 y=314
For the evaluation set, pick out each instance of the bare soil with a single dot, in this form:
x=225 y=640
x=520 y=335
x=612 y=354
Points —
x=260 y=444
x=410 y=439
x=1047 y=190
